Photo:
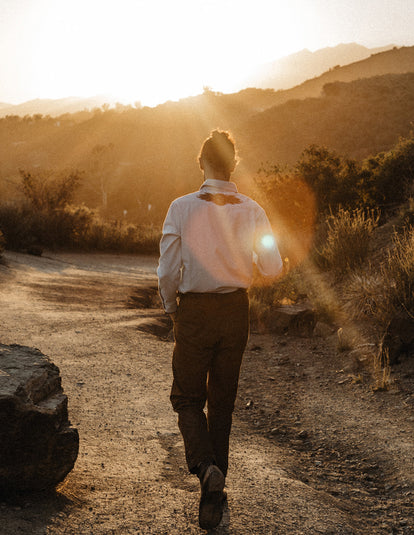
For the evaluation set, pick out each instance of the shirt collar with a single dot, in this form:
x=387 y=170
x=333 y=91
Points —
x=219 y=186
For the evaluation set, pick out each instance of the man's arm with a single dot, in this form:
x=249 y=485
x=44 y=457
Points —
x=169 y=266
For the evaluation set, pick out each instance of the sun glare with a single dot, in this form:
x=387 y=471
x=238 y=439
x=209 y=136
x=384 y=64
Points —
x=268 y=241
x=148 y=51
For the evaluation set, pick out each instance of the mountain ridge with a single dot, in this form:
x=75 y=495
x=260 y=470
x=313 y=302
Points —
x=56 y=107
x=298 y=67
x=395 y=61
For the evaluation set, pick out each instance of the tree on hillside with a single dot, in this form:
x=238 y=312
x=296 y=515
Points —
x=48 y=191
x=291 y=207
x=392 y=173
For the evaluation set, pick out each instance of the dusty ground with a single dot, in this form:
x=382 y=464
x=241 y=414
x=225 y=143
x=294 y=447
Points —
x=313 y=450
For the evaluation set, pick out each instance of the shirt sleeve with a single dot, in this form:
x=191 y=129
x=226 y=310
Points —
x=169 y=267
x=268 y=259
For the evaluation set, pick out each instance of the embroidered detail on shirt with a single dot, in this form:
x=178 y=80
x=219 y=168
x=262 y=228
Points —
x=219 y=198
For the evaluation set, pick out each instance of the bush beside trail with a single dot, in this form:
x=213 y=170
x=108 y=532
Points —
x=358 y=273
x=73 y=228
x=46 y=217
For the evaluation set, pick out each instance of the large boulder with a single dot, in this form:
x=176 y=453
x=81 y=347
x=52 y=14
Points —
x=38 y=446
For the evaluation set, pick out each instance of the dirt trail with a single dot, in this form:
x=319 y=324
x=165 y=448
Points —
x=312 y=452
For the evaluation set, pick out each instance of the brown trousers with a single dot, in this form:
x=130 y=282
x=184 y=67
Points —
x=211 y=332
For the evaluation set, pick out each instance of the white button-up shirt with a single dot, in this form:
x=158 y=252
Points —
x=210 y=240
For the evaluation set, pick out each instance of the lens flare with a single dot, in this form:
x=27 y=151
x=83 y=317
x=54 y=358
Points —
x=268 y=241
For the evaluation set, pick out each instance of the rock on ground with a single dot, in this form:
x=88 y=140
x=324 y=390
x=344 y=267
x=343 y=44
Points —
x=38 y=445
x=299 y=320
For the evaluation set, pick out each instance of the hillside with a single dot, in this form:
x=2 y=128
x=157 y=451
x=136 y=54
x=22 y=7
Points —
x=395 y=61
x=296 y=68
x=357 y=119
x=131 y=158
x=53 y=107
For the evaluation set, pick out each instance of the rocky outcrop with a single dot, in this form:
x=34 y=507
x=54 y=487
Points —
x=38 y=446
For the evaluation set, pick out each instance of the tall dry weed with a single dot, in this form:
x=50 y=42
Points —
x=348 y=239
x=381 y=369
x=398 y=273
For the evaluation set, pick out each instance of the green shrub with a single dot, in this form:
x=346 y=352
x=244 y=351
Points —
x=321 y=169
x=383 y=181
x=120 y=237
x=392 y=174
x=47 y=190
x=73 y=227
x=15 y=225
x=348 y=239
x=290 y=205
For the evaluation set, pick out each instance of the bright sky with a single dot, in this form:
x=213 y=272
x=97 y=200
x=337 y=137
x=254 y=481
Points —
x=155 y=50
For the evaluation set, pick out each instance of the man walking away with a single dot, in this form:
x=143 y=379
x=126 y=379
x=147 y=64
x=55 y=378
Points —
x=211 y=239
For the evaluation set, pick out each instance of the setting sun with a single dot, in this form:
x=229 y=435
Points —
x=136 y=50
x=150 y=52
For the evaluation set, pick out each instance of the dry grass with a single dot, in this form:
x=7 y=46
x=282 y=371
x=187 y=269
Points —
x=348 y=239
x=381 y=369
x=361 y=294
x=398 y=273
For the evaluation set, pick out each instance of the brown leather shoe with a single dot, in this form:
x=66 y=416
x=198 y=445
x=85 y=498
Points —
x=212 y=498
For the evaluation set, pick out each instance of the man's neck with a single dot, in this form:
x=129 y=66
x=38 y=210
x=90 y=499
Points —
x=210 y=173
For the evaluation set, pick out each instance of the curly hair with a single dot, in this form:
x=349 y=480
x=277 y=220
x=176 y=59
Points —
x=220 y=153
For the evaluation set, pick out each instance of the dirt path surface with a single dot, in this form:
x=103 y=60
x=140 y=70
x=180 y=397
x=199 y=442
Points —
x=313 y=449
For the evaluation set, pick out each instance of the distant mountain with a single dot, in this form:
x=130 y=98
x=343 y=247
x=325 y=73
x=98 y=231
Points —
x=395 y=61
x=294 y=69
x=53 y=107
